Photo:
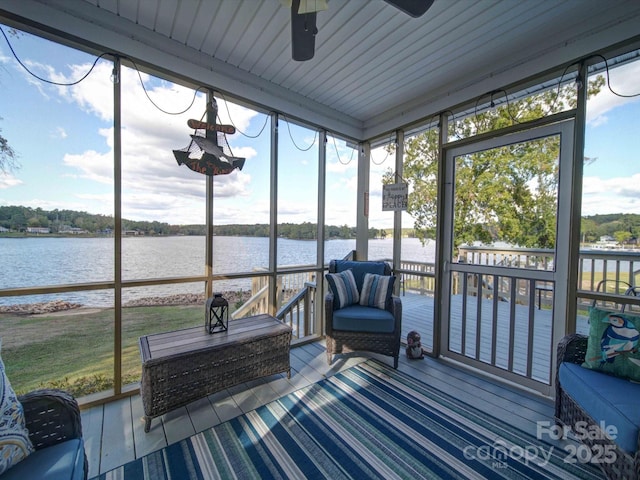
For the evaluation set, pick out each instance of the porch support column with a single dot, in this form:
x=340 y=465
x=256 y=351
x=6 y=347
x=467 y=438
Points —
x=575 y=217
x=397 y=215
x=117 y=227
x=439 y=314
x=362 y=217
x=318 y=327
x=208 y=268
x=273 y=217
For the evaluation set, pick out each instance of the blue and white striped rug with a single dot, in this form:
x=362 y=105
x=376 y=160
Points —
x=369 y=421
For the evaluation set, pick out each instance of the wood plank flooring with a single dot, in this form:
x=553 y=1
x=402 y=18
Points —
x=114 y=432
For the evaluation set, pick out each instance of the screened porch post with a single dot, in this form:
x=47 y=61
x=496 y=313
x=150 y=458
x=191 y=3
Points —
x=208 y=269
x=362 y=215
x=318 y=324
x=397 y=215
x=273 y=218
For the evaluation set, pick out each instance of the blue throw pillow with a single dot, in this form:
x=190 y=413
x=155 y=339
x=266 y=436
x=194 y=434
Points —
x=376 y=290
x=614 y=342
x=344 y=289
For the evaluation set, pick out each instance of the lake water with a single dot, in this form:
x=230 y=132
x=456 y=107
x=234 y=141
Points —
x=33 y=261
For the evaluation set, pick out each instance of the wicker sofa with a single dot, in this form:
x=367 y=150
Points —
x=592 y=397
x=362 y=328
x=53 y=420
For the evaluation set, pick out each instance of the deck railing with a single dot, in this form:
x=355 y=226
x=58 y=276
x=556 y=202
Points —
x=595 y=265
x=295 y=300
x=299 y=311
x=503 y=321
x=297 y=290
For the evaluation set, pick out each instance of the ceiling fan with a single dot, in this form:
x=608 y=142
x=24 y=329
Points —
x=303 y=22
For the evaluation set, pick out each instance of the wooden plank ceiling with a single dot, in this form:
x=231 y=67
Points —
x=375 y=68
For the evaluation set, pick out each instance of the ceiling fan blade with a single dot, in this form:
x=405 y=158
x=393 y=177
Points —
x=303 y=33
x=414 y=8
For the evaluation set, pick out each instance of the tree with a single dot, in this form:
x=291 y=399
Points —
x=589 y=229
x=622 y=236
x=508 y=193
x=8 y=156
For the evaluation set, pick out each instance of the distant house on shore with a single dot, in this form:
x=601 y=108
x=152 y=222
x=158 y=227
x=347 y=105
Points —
x=72 y=230
x=38 y=230
x=3 y=230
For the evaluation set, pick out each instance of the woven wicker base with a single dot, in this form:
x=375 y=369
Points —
x=191 y=364
x=344 y=342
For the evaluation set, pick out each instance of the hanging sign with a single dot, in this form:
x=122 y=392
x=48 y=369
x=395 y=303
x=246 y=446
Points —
x=395 y=197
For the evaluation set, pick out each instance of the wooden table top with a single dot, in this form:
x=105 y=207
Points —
x=189 y=340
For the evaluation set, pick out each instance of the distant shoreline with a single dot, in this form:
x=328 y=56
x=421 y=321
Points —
x=170 y=300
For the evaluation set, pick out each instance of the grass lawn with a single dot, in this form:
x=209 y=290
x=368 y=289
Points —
x=74 y=349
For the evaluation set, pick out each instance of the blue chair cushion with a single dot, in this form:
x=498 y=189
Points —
x=63 y=461
x=606 y=398
x=357 y=318
x=360 y=268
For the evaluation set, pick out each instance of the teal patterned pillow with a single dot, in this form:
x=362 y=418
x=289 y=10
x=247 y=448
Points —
x=376 y=290
x=14 y=436
x=613 y=343
x=343 y=286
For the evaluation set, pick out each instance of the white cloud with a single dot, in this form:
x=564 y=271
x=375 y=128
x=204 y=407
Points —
x=623 y=81
x=59 y=133
x=7 y=181
x=614 y=195
x=154 y=186
x=92 y=165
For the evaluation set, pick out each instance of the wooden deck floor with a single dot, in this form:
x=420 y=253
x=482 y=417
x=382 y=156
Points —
x=417 y=314
x=114 y=432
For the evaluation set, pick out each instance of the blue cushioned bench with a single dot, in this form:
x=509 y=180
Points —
x=599 y=400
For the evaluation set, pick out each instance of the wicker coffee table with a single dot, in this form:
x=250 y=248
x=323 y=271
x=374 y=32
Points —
x=185 y=365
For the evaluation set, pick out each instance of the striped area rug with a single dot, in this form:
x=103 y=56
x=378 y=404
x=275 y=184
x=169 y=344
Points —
x=368 y=421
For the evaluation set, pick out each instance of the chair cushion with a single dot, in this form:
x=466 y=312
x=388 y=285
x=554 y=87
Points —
x=15 y=445
x=357 y=318
x=63 y=461
x=613 y=343
x=360 y=268
x=376 y=290
x=343 y=287
x=605 y=398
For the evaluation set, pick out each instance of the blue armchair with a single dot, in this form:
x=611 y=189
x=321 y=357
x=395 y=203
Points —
x=55 y=429
x=372 y=323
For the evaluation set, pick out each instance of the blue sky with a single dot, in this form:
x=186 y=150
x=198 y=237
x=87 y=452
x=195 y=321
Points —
x=64 y=138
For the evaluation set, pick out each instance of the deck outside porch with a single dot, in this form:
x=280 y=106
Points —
x=115 y=435
x=114 y=432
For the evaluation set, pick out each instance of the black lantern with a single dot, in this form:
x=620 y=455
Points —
x=216 y=314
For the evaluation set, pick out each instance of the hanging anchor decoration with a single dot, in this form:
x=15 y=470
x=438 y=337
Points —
x=204 y=154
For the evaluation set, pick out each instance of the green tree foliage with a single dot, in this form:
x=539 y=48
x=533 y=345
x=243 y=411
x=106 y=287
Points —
x=622 y=236
x=18 y=218
x=507 y=194
x=621 y=226
x=8 y=156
